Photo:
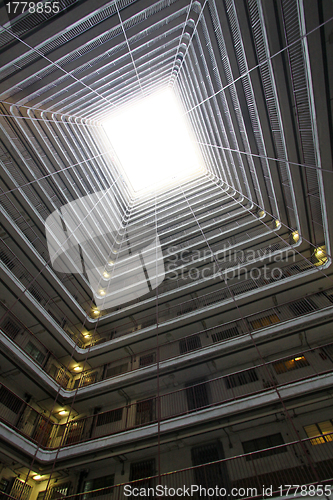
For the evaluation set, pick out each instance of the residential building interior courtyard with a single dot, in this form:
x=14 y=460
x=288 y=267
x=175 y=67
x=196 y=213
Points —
x=170 y=326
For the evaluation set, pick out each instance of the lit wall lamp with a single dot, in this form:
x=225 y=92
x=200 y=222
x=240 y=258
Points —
x=295 y=236
x=320 y=254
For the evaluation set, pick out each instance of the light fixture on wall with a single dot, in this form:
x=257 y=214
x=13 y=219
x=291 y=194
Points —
x=295 y=236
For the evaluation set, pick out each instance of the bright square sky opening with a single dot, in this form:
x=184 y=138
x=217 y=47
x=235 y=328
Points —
x=154 y=143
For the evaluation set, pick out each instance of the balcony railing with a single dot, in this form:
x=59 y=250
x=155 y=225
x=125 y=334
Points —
x=24 y=338
x=167 y=314
x=272 y=472
x=34 y=288
x=307 y=364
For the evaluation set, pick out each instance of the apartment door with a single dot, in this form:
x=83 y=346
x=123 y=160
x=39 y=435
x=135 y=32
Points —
x=43 y=428
x=197 y=396
x=145 y=411
x=143 y=470
x=74 y=432
x=212 y=474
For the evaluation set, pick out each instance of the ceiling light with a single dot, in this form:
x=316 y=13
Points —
x=111 y=262
x=277 y=223
x=320 y=254
x=37 y=477
x=63 y=412
x=87 y=335
x=77 y=368
x=96 y=311
x=106 y=274
x=102 y=292
x=154 y=142
x=295 y=235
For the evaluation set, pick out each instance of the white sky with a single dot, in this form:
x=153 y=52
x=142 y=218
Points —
x=154 y=142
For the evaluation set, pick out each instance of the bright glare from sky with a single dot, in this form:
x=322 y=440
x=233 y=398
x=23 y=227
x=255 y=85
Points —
x=154 y=143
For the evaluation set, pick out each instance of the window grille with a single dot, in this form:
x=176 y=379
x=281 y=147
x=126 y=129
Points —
x=6 y=260
x=35 y=293
x=322 y=431
x=243 y=378
x=290 y=364
x=225 y=334
x=109 y=417
x=141 y=470
x=264 y=321
x=59 y=491
x=96 y=484
x=20 y=490
x=116 y=370
x=11 y=328
x=189 y=344
x=34 y=353
x=147 y=359
x=87 y=379
x=302 y=306
x=74 y=431
x=9 y=400
x=145 y=411
x=261 y=444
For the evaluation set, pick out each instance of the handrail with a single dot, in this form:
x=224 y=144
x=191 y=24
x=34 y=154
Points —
x=251 y=381
x=243 y=475
x=172 y=349
x=178 y=309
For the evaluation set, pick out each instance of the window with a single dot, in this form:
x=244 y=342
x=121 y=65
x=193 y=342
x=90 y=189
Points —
x=11 y=328
x=321 y=431
x=225 y=334
x=265 y=321
x=302 y=306
x=290 y=364
x=4 y=483
x=261 y=444
x=189 y=344
x=35 y=293
x=63 y=378
x=59 y=491
x=145 y=411
x=20 y=490
x=96 y=484
x=141 y=470
x=34 y=353
x=116 y=370
x=87 y=379
x=147 y=359
x=109 y=416
x=197 y=396
x=10 y=400
x=6 y=259
x=242 y=378
x=149 y=322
